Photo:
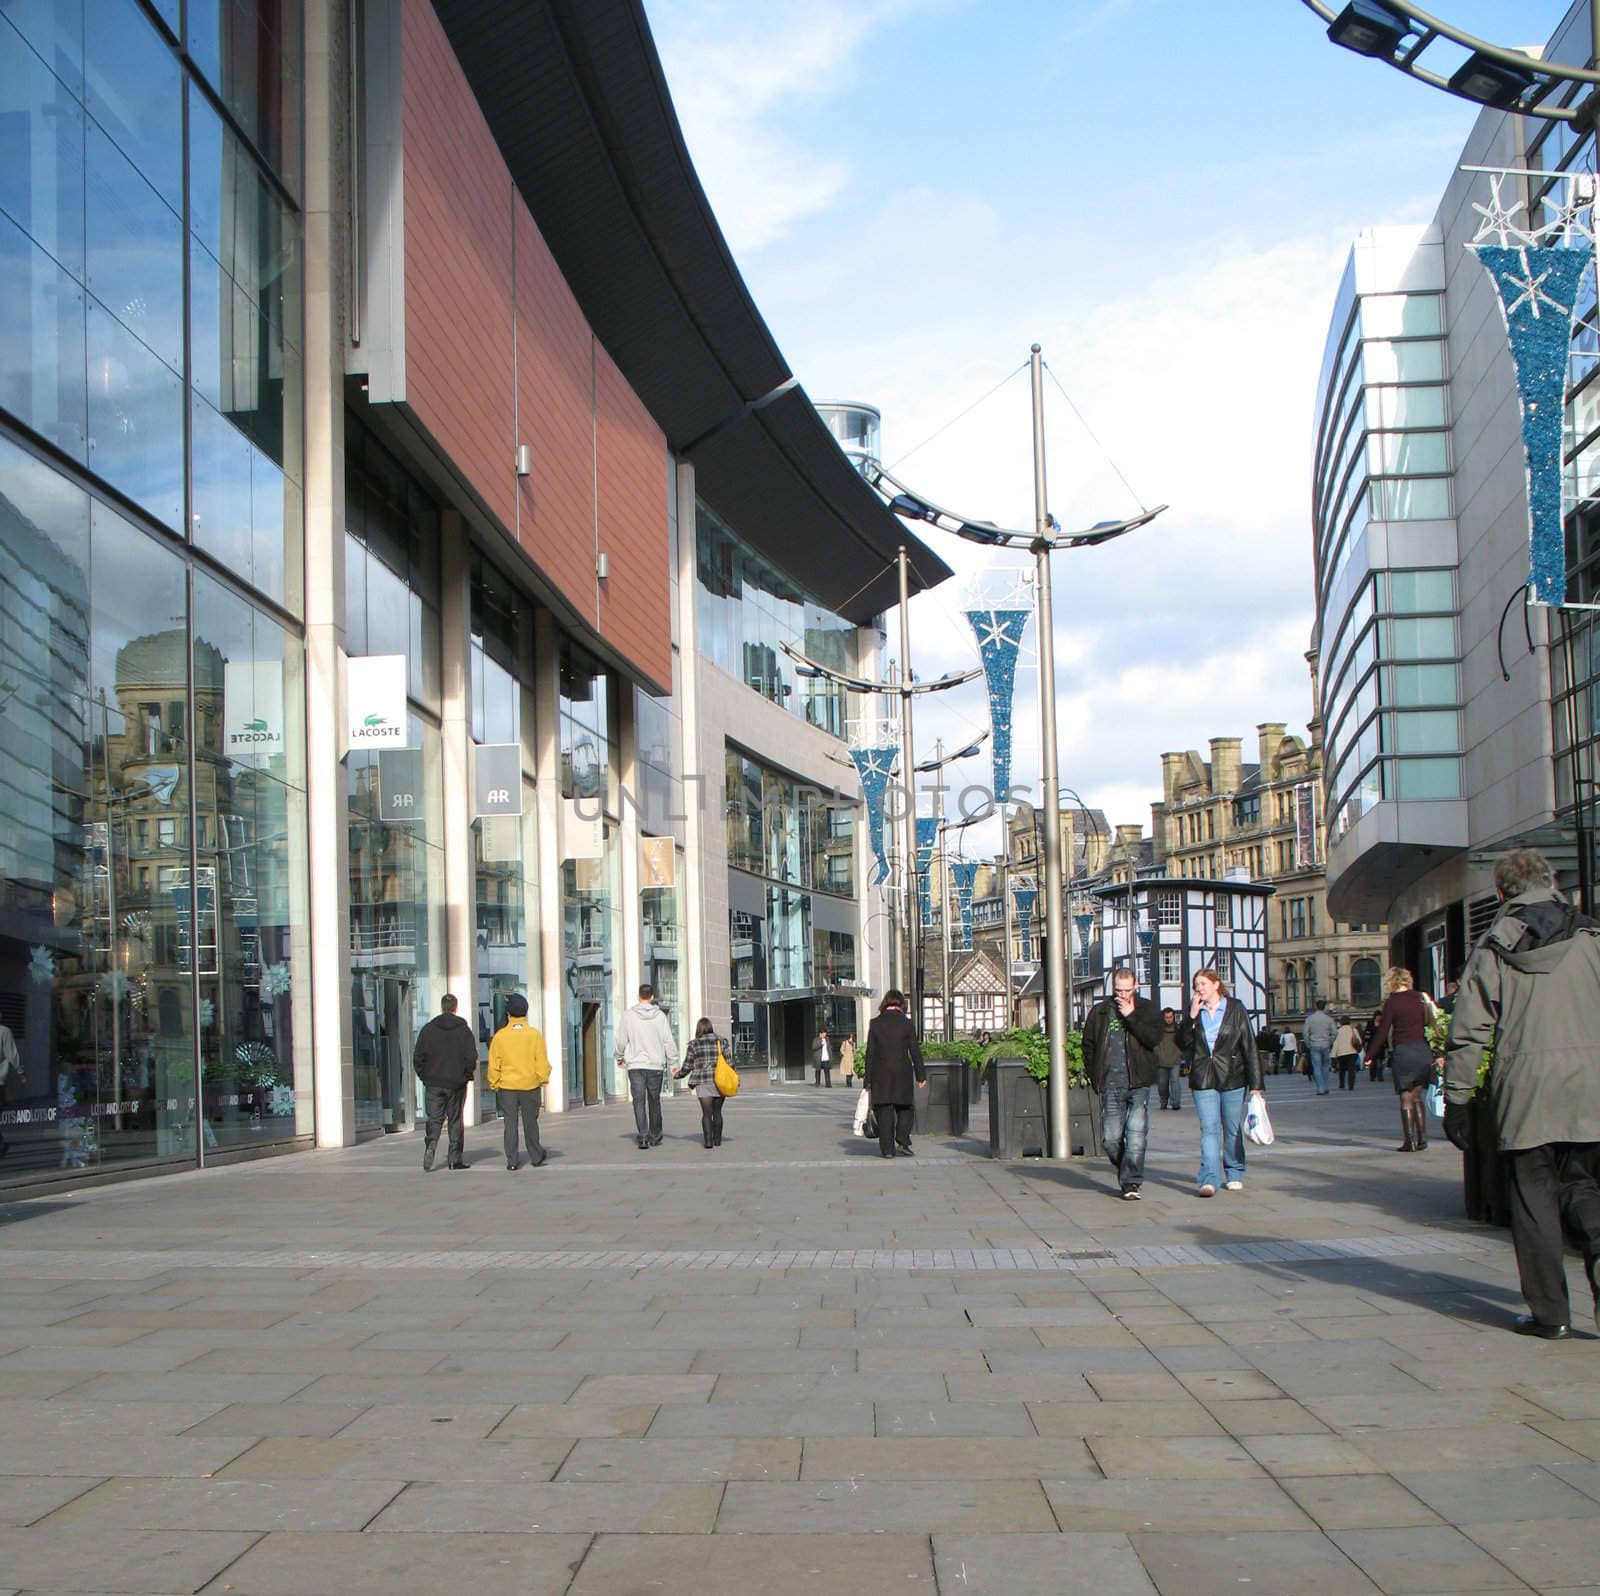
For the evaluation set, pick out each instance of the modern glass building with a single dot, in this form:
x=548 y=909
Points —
x=343 y=606
x=1457 y=719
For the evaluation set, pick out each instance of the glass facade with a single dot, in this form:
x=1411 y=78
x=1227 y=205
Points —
x=394 y=797
x=154 y=965
x=746 y=610
x=1389 y=670
x=793 y=847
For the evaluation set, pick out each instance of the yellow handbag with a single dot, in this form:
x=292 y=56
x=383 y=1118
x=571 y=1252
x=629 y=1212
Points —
x=725 y=1076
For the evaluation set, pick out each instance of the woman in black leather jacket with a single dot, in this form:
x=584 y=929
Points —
x=1223 y=1066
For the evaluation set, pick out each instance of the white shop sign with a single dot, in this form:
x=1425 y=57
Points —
x=375 y=701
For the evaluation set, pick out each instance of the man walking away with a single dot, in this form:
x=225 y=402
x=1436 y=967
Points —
x=1288 y=1052
x=1532 y=986
x=645 y=1048
x=518 y=1070
x=824 y=1065
x=1320 y=1034
x=1120 y=1038
x=445 y=1058
x=1169 y=1062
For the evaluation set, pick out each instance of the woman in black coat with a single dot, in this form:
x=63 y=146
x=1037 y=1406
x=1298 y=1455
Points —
x=1224 y=1065
x=893 y=1060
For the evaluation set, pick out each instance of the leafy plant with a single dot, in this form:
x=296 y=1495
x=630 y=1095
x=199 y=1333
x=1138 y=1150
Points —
x=1032 y=1046
x=964 y=1048
x=1438 y=1038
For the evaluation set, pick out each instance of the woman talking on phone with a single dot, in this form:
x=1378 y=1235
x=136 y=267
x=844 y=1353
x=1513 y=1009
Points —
x=1223 y=1066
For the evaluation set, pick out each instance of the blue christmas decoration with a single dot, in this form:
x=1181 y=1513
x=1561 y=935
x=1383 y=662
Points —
x=1147 y=941
x=1085 y=924
x=964 y=872
x=875 y=766
x=1026 y=899
x=1538 y=290
x=927 y=840
x=999 y=634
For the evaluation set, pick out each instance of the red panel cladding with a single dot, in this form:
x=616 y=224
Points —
x=631 y=471
x=460 y=380
x=555 y=381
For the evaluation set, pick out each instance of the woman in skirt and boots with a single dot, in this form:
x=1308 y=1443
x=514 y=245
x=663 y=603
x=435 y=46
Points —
x=700 y=1065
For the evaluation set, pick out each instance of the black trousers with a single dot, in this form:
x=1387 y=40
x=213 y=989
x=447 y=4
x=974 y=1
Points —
x=443 y=1106
x=894 y=1125
x=711 y=1120
x=1346 y=1063
x=523 y=1107
x=824 y=1069
x=1553 y=1185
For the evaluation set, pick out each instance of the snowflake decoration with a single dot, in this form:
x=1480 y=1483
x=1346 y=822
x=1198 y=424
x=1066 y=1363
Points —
x=1497 y=217
x=1531 y=291
x=208 y=1013
x=994 y=631
x=42 y=965
x=275 y=981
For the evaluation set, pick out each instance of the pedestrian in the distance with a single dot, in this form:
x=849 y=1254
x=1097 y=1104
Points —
x=445 y=1057
x=1532 y=986
x=1169 y=1062
x=1375 y=1059
x=1267 y=1049
x=847 y=1059
x=646 y=1049
x=700 y=1065
x=1120 y=1038
x=1320 y=1034
x=894 y=1060
x=1288 y=1051
x=1223 y=1066
x=1347 y=1055
x=1403 y=1023
x=518 y=1070
x=823 y=1059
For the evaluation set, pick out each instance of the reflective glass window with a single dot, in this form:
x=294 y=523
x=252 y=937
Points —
x=1411 y=362
x=1407 y=453
x=132 y=88
x=1423 y=684
x=1428 y=778
x=1411 y=499
x=135 y=418
x=1433 y=638
x=249 y=52
x=1401 y=315
x=42 y=380
x=1406 y=407
x=41 y=153
x=1414 y=592
x=1431 y=733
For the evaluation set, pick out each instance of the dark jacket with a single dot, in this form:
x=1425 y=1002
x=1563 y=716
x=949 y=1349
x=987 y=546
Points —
x=892 y=1057
x=1234 y=1061
x=446 y=1052
x=1145 y=1033
x=1403 y=1018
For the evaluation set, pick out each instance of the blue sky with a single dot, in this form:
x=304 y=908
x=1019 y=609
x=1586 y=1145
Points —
x=1160 y=192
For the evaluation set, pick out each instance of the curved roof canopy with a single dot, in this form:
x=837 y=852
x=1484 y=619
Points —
x=574 y=94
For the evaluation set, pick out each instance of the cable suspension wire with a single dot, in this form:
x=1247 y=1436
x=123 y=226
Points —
x=962 y=417
x=1105 y=453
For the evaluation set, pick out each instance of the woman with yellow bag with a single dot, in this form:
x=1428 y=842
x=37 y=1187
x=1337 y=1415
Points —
x=710 y=1075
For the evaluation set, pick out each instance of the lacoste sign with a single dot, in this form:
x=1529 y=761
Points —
x=375 y=692
x=252 y=718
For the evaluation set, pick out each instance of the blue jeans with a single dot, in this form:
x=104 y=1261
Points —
x=1221 y=1116
x=645 y=1085
x=1321 y=1060
x=1124 y=1130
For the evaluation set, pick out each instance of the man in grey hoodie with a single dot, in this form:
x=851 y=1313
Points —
x=645 y=1047
x=1532 y=990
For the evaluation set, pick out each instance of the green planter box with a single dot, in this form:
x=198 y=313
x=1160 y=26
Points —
x=1083 y=1122
x=1018 y=1125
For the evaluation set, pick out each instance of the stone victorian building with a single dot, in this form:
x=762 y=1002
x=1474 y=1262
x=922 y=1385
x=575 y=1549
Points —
x=1262 y=821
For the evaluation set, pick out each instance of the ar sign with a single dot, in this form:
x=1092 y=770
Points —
x=497 y=779
x=400 y=786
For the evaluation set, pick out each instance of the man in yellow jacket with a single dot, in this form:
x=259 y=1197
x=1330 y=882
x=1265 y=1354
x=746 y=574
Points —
x=518 y=1069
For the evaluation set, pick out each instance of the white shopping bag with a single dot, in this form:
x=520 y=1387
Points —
x=1257 y=1126
x=863 y=1104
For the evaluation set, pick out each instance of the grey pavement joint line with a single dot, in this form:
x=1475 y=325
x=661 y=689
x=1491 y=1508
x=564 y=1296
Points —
x=139 y=1264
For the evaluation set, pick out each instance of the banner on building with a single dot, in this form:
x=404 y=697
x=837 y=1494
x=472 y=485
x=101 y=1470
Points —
x=582 y=830
x=500 y=838
x=1305 y=826
x=252 y=710
x=1026 y=900
x=496 y=779
x=927 y=841
x=375 y=701
x=999 y=634
x=400 y=795
x=875 y=766
x=657 y=864
x=964 y=874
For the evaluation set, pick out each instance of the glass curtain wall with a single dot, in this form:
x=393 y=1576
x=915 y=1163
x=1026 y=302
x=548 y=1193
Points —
x=153 y=981
x=659 y=804
x=747 y=610
x=394 y=797
x=591 y=940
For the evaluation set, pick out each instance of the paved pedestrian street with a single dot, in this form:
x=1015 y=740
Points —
x=786 y=1366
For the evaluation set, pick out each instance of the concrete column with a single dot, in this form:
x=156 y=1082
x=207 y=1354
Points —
x=328 y=832
x=455 y=744
x=548 y=919
x=697 y=781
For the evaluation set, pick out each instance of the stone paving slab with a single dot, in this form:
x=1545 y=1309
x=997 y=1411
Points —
x=232 y=1504
x=781 y=1564
x=1416 y=1562
x=1278 y=1564
x=401 y=1457
x=692 y=1461
x=1359 y=1501
x=1039 y=1565
x=1035 y=1458
x=647 y=1508
x=143 y=1561
x=855 y=1506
